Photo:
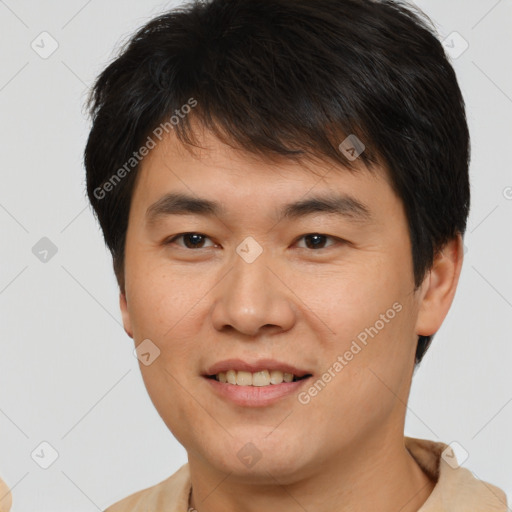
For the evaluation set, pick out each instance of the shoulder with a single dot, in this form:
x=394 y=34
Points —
x=456 y=487
x=170 y=494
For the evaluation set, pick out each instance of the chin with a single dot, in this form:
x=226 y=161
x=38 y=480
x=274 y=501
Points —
x=259 y=459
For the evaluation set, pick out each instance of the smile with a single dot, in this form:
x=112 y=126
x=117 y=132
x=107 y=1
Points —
x=258 y=379
x=255 y=383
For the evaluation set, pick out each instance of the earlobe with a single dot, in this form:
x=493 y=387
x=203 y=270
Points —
x=123 y=304
x=438 y=288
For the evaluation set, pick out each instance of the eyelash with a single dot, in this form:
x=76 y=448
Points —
x=182 y=235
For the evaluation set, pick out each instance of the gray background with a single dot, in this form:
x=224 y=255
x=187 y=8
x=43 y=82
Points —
x=67 y=372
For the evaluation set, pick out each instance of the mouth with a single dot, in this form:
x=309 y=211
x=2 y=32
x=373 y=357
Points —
x=260 y=378
x=256 y=384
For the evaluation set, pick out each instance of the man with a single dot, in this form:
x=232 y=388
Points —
x=283 y=185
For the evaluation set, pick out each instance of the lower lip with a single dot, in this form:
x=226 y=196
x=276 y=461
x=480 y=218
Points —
x=255 y=396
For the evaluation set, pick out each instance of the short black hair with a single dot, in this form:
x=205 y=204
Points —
x=293 y=79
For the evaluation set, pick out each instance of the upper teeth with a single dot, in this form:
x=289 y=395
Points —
x=262 y=378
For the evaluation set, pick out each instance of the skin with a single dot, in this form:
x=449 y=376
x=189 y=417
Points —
x=5 y=497
x=344 y=450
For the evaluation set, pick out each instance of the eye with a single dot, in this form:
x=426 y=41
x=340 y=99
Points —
x=191 y=240
x=313 y=241
x=316 y=240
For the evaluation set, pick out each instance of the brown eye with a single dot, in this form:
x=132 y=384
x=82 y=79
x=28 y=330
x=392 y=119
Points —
x=316 y=240
x=191 y=240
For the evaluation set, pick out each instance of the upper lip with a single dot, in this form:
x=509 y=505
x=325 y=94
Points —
x=256 y=366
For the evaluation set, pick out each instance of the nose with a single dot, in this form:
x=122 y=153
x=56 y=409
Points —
x=254 y=299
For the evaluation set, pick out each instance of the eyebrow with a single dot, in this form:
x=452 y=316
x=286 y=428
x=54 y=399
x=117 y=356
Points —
x=183 y=204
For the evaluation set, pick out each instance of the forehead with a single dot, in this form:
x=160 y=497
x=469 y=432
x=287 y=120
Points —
x=214 y=168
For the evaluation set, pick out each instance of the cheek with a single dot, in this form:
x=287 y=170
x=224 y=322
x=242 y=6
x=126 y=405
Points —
x=371 y=376
x=371 y=312
x=359 y=401
x=165 y=304
x=351 y=300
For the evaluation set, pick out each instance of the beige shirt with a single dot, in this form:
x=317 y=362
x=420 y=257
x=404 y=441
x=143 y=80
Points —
x=456 y=489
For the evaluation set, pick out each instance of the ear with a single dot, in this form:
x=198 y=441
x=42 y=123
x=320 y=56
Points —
x=123 y=304
x=438 y=288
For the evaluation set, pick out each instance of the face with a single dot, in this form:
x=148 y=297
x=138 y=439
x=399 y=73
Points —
x=286 y=270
